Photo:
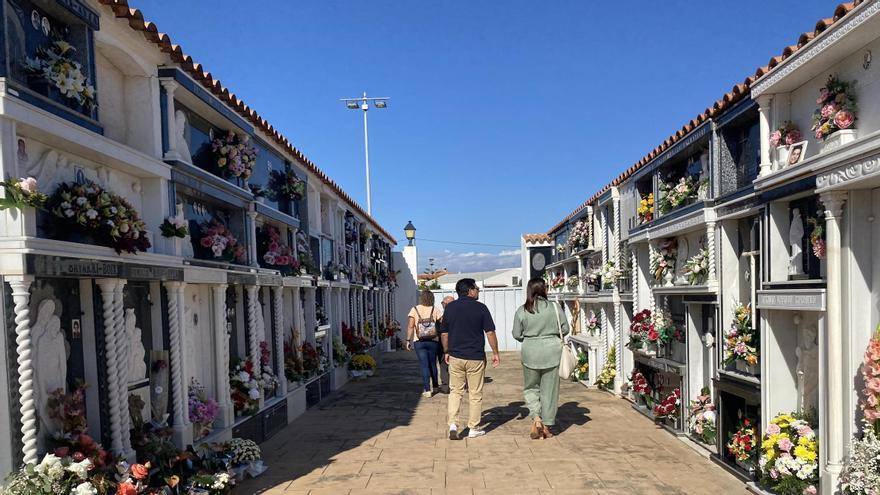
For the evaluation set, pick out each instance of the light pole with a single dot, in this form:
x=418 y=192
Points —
x=363 y=103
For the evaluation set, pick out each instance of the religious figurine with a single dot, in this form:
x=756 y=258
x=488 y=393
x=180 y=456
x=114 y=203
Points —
x=180 y=145
x=137 y=366
x=681 y=260
x=808 y=370
x=187 y=245
x=795 y=240
x=50 y=350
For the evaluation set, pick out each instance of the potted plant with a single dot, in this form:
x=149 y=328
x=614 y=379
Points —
x=835 y=117
x=361 y=365
x=259 y=193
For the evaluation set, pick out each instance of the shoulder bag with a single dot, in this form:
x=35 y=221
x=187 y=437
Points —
x=568 y=360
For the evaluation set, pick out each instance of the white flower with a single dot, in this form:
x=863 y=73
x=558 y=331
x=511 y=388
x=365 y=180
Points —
x=84 y=489
x=92 y=214
x=80 y=469
x=68 y=213
x=28 y=185
x=81 y=200
x=50 y=467
x=254 y=394
x=244 y=376
x=709 y=415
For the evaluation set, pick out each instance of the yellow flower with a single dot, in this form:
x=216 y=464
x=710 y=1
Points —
x=804 y=453
x=769 y=443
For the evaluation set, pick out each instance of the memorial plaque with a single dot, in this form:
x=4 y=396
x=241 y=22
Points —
x=792 y=300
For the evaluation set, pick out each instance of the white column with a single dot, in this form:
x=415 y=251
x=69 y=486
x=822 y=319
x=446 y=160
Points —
x=252 y=308
x=24 y=347
x=712 y=276
x=111 y=356
x=251 y=225
x=179 y=395
x=299 y=321
x=837 y=383
x=221 y=354
x=764 y=102
x=124 y=347
x=278 y=336
x=170 y=122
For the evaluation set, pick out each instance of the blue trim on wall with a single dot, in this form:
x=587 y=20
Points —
x=81 y=11
x=201 y=93
x=276 y=215
x=163 y=113
x=738 y=109
x=697 y=134
x=3 y=69
x=805 y=184
x=205 y=182
x=54 y=108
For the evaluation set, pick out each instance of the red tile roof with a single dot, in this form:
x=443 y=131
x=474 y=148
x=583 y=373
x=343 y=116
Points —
x=135 y=17
x=734 y=95
x=537 y=239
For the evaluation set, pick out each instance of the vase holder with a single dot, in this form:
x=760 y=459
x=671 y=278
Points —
x=838 y=139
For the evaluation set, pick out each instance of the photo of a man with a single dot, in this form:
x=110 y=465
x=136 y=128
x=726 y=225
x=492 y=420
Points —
x=796 y=153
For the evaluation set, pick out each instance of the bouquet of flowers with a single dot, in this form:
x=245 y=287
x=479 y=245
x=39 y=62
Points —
x=202 y=409
x=579 y=237
x=234 y=154
x=109 y=218
x=174 y=227
x=558 y=281
x=646 y=208
x=21 y=193
x=68 y=411
x=789 y=460
x=591 y=276
x=560 y=248
x=243 y=451
x=837 y=108
x=663 y=258
x=787 y=134
x=640 y=329
x=743 y=443
x=609 y=274
x=669 y=406
x=592 y=323
x=861 y=471
x=54 y=475
x=572 y=282
x=245 y=388
x=221 y=242
x=362 y=362
x=304 y=254
x=582 y=368
x=675 y=194
x=740 y=341
x=286 y=185
x=664 y=328
x=56 y=65
x=276 y=254
x=340 y=353
x=871 y=376
x=640 y=386
x=702 y=419
x=817 y=238
x=696 y=268
x=310 y=358
x=293 y=365
x=267 y=377
x=605 y=380
x=211 y=483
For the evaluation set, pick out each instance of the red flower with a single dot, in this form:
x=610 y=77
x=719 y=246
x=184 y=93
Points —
x=62 y=451
x=126 y=488
x=140 y=471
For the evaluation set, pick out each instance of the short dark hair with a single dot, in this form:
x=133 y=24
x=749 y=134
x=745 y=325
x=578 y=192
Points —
x=463 y=286
x=426 y=298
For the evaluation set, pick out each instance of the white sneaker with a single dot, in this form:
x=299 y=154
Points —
x=474 y=433
x=427 y=394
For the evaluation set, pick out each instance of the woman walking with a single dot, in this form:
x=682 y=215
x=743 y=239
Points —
x=422 y=334
x=538 y=324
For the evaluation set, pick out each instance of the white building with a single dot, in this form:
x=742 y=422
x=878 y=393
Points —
x=502 y=277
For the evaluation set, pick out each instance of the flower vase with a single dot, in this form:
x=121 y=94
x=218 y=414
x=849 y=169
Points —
x=744 y=367
x=838 y=139
x=668 y=278
x=781 y=157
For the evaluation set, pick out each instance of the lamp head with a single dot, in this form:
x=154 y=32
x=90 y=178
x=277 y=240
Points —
x=410 y=232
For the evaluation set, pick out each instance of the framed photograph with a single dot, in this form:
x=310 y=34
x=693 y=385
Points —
x=75 y=329
x=796 y=153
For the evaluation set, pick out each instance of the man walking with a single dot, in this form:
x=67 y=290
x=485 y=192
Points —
x=464 y=323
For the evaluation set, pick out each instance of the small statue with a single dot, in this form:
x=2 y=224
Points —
x=50 y=350
x=808 y=370
x=137 y=366
x=795 y=240
x=180 y=145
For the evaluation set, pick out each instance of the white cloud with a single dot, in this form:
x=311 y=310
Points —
x=471 y=261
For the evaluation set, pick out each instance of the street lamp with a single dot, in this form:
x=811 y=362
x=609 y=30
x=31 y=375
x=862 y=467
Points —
x=363 y=103
x=410 y=232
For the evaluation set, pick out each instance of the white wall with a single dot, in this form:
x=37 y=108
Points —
x=502 y=304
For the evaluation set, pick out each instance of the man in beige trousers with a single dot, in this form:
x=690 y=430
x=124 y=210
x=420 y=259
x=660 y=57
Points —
x=465 y=322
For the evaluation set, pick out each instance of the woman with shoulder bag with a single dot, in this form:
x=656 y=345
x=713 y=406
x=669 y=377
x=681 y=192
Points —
x=541 y=326
x=423 y=336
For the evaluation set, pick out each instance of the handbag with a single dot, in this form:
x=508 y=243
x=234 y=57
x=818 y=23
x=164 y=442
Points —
x=567 y=361
x=426 y=328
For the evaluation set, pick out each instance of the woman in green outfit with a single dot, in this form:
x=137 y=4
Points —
x=537 y=325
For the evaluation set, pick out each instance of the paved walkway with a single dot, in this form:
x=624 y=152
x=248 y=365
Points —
x=380 y=436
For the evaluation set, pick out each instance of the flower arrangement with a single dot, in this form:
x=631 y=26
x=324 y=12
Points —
x=743 y=443
x=669 y=407
x=234 y=154
x=701 y=422
x=243 y=451
x=640 y=387
x=286 y=185
x=109 y=218
x=304 y=254
x=354 y=343
x=293 y=366
x=310 y=358
x=579 y=237
x=21 y=193
x=276 y=254
x=664 y=330
x=817 y=238
x=340 y=353
x=675 y=194
x=741 y=342
x=590 y=276
x=609 y=274
x=605 y=380
x=557 y=281
x=572 y=282
x=211 y=483
x=174 y=227
x=56 y=65
x=696 y=268
x=787 y=134
x=221 y=242
x=68 y=411
x=861 y=471
x=592 y=323
x=267 y=374
x=646 y=208
x=871 y=376
x=789 y=460
x=202 y=409
x=257 y=190
x=560 y=248
x=245 y=388
x=837 y=108
x=663 y=259
x=362 y=362
x=54 y=475
x=581 y=368
x=641 y=327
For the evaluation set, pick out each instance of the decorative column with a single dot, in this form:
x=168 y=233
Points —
x=764 y=102
x=111 y=356
x=837 y=383
x=170 y=86
x=251 y=225
x=226 y=417
x=590 y=241
x=712 y=276
x=652 y=303
x=174 y=291
x=124 y=348
x=24 y=347
x=252 y=308
x=278 y=335
x=298 y=321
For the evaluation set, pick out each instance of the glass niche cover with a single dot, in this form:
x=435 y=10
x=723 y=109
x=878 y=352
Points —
x=49 y=56
x=216 y=232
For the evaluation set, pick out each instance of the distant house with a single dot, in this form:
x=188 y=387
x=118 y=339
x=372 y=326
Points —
x=504 y=277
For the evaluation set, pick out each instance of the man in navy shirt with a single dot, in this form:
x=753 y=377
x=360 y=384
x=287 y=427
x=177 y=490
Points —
x=464 y=325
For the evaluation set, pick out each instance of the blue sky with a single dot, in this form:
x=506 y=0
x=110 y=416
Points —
x=505 y=115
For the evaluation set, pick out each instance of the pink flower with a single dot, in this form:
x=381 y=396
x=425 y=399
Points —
x=823 y=95
x=872 y=414
x=784 y=444
x=873 y=385
x=844 y=119
x=775 y=137
x=805 y=431
x=819 y=134
x=28 y=185
x=793 y=136
x=819 y=249
x=810 y=490
x=773 y=429
x=828 y=110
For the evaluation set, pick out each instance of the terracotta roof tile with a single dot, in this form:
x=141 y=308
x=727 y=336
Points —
x=737 y=93
x=537 y=238
x=135 y=18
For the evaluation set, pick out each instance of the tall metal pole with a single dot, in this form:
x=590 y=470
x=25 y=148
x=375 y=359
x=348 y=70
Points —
x=365 y=106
